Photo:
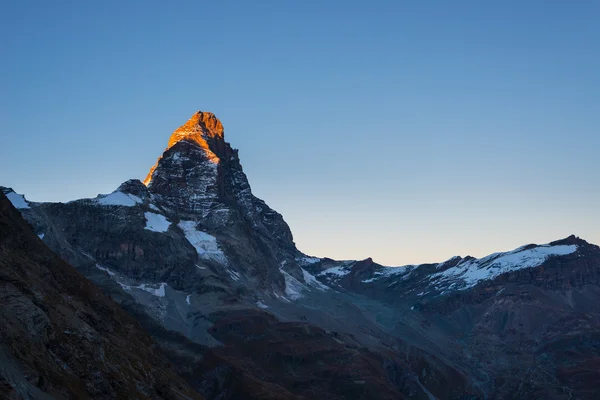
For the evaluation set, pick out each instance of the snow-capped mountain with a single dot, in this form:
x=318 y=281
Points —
x=453 y=275
x=193 y=249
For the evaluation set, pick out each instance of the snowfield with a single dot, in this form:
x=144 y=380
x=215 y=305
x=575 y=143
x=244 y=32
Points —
x=118 y=199
x=206 y=245
x=17 y=200
x=472 y=271
x=156 y=222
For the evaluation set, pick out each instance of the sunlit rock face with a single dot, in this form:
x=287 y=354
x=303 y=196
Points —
x=205 y=130
x=186 y=175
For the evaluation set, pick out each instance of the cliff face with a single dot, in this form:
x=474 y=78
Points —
x=61 y=337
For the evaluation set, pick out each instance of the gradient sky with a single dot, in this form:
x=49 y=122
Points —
x=408 y=131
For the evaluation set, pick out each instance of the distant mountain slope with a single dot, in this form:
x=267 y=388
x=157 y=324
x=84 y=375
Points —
x=458 y=274
x=522 y=324
x=61 y=337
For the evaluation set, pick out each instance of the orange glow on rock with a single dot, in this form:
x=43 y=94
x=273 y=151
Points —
x=202 y=126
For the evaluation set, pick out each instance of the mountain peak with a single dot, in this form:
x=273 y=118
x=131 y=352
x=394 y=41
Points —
x=202 y=126
x=203 y=129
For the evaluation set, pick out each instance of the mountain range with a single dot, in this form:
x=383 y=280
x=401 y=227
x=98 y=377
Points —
x=211 y=273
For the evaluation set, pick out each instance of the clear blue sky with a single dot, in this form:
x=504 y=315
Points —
x=409 y=131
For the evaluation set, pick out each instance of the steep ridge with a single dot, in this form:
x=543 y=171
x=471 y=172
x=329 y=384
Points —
x=214 y=275
x=60 y=337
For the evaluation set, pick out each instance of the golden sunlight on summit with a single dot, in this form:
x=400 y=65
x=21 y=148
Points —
x=202 y=126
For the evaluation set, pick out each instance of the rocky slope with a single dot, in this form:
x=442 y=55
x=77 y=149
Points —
x=61 y=337
x=215 y=277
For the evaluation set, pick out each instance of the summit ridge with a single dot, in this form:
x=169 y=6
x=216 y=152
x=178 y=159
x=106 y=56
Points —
x=202 y=126
x=203 y=129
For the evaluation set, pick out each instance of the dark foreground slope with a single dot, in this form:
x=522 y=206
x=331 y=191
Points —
x=61 y=337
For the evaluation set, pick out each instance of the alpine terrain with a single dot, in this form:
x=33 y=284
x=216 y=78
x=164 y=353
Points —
x=212 y=274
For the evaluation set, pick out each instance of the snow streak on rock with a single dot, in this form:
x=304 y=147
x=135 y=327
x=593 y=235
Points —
x=17 y=200
x=118 y=199
x=338 y=271
x=159 y=292
x=206 y=245
x=312 y=281
x=391 y=271
x=156 y=222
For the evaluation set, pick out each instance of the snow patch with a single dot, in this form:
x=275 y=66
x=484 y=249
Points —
x=159 y=292
x=147 y=287
x=117 y=198
x=312 y=281
x=303 y=261
x=293 y=287
x=472 y=271
x=156 y=222
x=260 y=304
x=108 y=271
x=206 y=245
x=153 y=207
x=340 y=270
x=41 y=236
x=17 y=200
x=282 y=298
x=386 y=272
x=187 y=299
x=234 y=275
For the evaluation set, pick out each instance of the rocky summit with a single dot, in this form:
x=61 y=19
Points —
x=212 y=274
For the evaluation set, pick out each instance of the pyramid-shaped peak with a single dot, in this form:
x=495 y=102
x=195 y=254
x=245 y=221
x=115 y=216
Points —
x=202 y=126
x=204 y=130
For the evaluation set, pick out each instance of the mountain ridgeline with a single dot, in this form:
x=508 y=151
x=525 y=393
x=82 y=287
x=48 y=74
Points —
x=212 y=274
